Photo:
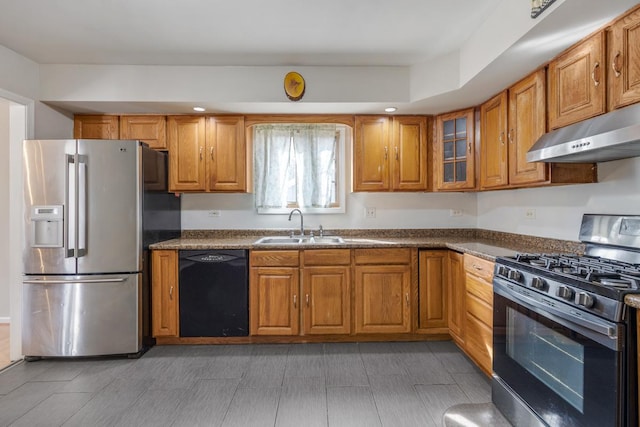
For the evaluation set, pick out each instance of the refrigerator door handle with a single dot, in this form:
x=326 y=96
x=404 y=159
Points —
x=82 y=206
x=58 y=282
x=70 y=203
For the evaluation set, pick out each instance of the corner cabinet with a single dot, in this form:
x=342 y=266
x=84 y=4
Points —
x=390 y=154
x=432 y=291
x=624 y=55
x=164 y=293
x=382 y=290
x=456 y=296
x=577 y=83
x=454 y=151
x=207 y=154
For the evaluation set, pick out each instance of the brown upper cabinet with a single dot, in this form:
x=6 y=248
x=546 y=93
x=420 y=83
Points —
x=95 y=127
x=454 y=151
x=149 y=129
x=577 y=82
x=390 y=154
x=207 y=154
x=624 y=56
x=494 y=172
x=511 y=122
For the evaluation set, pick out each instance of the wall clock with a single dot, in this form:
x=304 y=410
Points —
x=294 y=86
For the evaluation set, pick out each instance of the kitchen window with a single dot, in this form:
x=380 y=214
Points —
x=299 y=165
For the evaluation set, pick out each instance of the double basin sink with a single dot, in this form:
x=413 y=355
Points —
x=300 y=240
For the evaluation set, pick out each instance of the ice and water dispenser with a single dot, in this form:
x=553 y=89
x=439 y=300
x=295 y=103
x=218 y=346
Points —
x=47 y=226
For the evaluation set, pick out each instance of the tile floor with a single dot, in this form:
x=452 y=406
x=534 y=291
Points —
x=345 y=384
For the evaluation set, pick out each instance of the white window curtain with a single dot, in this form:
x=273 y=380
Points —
x=295 y=165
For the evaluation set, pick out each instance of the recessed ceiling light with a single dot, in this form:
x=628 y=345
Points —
x=198 y=109
x=390 y=109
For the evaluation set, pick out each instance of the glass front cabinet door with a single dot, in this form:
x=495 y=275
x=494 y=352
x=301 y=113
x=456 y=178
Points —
x=454 y=151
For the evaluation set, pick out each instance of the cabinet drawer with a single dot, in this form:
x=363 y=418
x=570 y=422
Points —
x=479 y=267
x=274 y=259
x=480 y=289
x=326 y=257
x=383 y=256
x=479 y=309
x=479 y=343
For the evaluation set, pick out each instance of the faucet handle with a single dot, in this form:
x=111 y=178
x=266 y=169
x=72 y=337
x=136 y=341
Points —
x=321 y=231
x=311 y=234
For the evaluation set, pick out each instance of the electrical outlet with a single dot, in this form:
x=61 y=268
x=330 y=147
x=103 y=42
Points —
x=369 y=212
x=214 y=213
x=530 y=213
x=455 y=212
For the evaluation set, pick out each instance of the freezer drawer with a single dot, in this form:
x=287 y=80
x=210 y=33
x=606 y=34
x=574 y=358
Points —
x=81 y=315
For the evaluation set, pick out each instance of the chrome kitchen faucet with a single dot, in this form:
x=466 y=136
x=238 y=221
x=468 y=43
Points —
x=301 y=220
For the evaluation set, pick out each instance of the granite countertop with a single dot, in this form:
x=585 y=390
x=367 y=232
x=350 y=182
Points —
x=487 y=245
x=632 y=300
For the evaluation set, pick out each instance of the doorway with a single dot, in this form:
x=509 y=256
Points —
x=14 y=119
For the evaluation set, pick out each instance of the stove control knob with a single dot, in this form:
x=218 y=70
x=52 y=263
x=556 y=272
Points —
x=585 y=300
x=502 y=270
x=538 y=283
x=565 y=292
x=514 y=275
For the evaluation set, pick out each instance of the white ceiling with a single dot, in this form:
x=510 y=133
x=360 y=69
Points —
x=239 y=32
x=297 y=33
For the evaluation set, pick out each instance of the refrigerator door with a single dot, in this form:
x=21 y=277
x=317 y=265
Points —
x=81 y=315
x=110 y=206
x=49 y=206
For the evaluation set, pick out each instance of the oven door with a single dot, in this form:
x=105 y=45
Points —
x=567 y=366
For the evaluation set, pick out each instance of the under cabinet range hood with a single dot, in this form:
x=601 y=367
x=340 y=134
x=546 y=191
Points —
x=611 y=136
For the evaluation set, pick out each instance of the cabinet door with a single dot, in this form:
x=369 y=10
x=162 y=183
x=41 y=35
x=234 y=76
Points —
x=371 y=153
x=624 y=53
x=494 y=172
x=409 y=153
x=95 y=127
x=164 y=293
x=577 y=83
x=454 y=151
x=326 y=300
x=527 y=123
x=273 y=301
x=149 y=129
x=432 y=291
x=186 y=140
x=382 y=298
x=226 y=154
x=456 y=297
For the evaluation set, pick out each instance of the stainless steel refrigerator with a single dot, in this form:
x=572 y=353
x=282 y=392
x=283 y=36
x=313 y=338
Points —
x=91 y=209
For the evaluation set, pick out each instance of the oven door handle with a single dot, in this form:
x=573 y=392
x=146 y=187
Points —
x=604 y=332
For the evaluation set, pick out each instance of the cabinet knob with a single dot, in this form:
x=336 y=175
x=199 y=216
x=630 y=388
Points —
x=386 y=153
x=211 y=153
x=171 y=292
x=510 y=135
x=200 y=153
x=406 y=296
x=307 y=299
x=397 y=155
x=295 y=301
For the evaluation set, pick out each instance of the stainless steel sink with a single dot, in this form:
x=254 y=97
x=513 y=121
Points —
x=299 y=240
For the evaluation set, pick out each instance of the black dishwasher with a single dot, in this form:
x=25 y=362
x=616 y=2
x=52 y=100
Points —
x=214 y=298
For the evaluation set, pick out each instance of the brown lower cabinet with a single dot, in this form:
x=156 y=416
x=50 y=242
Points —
x=312 y=285
x=164 y=293
x=478 y=343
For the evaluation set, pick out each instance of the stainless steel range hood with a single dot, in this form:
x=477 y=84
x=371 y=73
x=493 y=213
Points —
x=612 y=136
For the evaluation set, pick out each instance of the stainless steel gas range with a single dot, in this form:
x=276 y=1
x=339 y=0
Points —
x=564 y=341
